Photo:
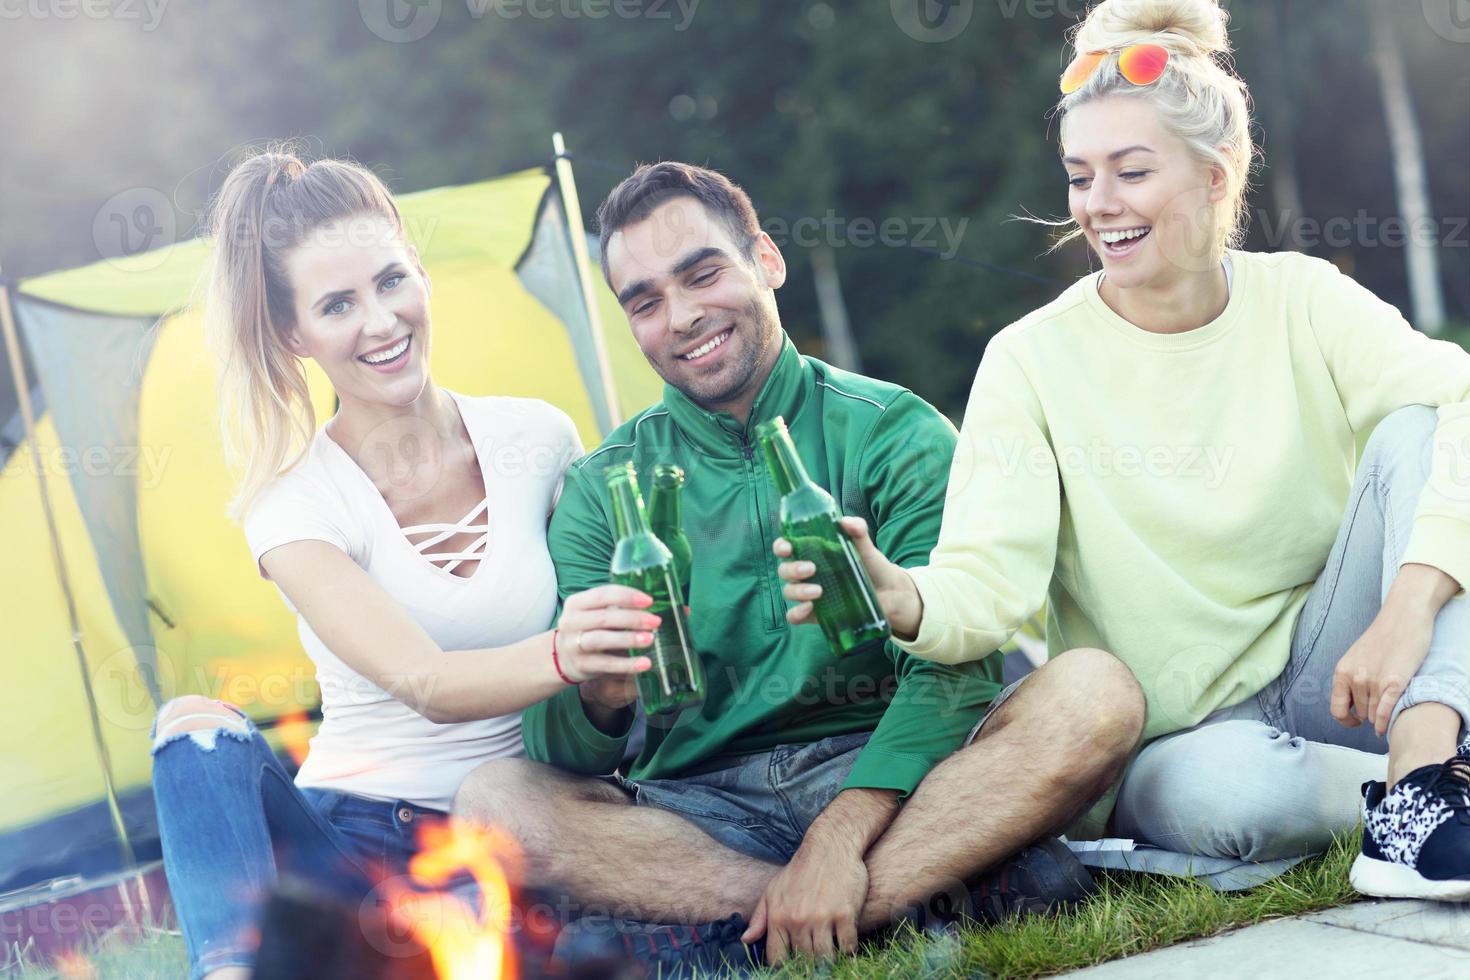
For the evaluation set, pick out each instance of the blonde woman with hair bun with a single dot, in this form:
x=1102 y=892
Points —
x=1167 y=458
x=417 y=566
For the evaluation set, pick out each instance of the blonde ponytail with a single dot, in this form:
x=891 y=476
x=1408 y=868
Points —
x=268 y=203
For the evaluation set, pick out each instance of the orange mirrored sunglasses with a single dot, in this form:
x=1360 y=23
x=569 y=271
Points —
x=1142 y=64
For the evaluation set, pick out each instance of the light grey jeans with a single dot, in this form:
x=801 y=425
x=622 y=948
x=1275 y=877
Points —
x=1276 y=776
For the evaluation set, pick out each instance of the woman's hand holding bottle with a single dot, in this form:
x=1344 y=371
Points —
x=598 y=629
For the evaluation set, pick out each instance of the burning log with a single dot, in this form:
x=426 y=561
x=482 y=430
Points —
x=453 y=917
x=306 y=934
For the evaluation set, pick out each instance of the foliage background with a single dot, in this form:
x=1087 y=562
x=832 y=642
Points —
x=815 y=106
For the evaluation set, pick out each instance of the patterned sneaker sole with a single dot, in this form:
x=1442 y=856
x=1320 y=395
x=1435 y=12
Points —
x=1384 y=879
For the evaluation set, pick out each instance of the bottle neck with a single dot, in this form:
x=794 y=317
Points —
x=628 y=516
x=664 y=507
x=786 y=468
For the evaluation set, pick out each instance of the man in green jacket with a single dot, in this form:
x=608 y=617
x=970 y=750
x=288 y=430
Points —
x=810 y=798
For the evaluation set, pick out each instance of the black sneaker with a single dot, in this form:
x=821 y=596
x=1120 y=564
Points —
x=1416 y=839
x=1042 y=879
x=665 y=951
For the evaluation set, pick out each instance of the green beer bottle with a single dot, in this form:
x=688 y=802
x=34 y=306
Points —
x=848 y=610
x=665 y=515
x=640 y=561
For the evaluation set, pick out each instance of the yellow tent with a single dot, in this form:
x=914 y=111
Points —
x=136 y=587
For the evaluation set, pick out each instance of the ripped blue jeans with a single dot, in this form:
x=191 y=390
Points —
x=231 y=819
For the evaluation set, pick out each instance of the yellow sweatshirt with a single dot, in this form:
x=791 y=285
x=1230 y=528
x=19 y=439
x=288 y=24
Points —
x=1174 y=497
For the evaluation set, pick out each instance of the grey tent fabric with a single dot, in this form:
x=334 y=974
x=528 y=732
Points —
x=12 y=424
x=545 y=269
x=90 y=367
x=1221 y=874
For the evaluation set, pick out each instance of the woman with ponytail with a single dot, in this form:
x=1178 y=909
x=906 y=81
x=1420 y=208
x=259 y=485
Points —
x=1167 y=455
x=408 y=533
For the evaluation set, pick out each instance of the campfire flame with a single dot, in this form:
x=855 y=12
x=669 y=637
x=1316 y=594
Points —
x=462 y=945
x=295 y=732
x=72 y=965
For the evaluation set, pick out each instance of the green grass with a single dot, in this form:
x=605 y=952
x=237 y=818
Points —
x=158 y=955
x=1130 y=914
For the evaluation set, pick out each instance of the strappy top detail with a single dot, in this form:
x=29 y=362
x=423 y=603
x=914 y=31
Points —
x=371 y=743
x=476 y=549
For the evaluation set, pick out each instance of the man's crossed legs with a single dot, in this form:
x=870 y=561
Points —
x=665 y=853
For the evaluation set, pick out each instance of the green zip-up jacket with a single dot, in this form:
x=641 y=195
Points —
x=884 y=454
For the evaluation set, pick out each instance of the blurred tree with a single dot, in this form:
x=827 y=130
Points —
x=1408 y=169
x=832 y=116
x=1278 y=112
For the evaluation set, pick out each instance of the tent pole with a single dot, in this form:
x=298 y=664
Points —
x=573 y=209
x=23 y=395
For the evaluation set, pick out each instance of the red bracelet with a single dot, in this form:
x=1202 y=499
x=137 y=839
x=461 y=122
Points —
x=556 y=661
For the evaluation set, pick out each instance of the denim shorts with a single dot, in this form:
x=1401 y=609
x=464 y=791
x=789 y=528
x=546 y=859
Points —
x=1000 y=699
x=759 y=804
x=384 y=835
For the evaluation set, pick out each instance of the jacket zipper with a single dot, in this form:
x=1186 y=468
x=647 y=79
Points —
x=766 y=556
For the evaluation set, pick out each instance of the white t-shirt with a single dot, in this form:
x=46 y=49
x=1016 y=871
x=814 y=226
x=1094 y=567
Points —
x=371 y=744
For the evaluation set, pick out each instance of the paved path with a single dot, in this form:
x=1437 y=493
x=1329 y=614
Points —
x=1409 y=940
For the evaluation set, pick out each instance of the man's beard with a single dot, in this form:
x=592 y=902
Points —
x=751 y=357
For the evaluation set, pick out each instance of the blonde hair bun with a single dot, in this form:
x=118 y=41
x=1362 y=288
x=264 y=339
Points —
x=1192 y=27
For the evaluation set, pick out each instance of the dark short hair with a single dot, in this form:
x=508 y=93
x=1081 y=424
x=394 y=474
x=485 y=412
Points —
x=652 y=184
